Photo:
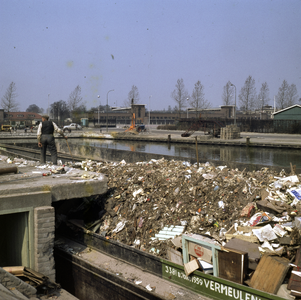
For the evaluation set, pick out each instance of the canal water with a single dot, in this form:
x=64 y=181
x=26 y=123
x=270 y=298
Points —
x=256 y=155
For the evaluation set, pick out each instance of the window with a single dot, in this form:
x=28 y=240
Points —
x=20 y=116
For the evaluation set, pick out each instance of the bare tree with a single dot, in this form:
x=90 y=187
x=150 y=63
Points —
x=8 y=101
x=132 y=95
x=180 y=95
x=75 y=98
x=281 y=97
x=228 y=94
x=292 y=95
x=197 y=100
x=59 y=110
x=263 y=96
x=247 y=94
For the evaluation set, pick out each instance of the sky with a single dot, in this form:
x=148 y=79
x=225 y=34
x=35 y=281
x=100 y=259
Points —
x=49 y=47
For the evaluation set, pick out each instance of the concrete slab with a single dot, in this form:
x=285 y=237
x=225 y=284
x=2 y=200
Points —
x=61 y=186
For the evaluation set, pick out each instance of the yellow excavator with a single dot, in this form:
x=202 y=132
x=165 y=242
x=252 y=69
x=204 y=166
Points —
x=134 y=127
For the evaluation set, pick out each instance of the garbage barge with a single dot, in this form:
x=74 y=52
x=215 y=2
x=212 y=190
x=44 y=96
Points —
x=70 y=268
x=184 y=182
x=229 y=238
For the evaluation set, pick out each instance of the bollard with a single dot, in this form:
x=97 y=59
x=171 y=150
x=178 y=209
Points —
x=196 y=150
x=248 y=140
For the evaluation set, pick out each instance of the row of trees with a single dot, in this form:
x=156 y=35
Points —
x=196 y=100
x=248 y=99
x=10 y=104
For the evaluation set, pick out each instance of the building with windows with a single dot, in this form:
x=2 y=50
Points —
x=21 y=119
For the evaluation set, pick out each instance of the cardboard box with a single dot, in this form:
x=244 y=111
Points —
x=198 y=251
x=191 y=267
x=177 y=241
x=174 y=256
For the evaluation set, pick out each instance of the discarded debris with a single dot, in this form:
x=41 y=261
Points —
x=150 y=204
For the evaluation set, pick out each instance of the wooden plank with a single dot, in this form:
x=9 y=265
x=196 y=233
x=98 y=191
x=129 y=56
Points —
x=270 y=273
x=250 y=248
x=233 y=265
x=295 y=280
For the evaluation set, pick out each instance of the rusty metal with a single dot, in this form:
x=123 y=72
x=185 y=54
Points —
x=9 y=170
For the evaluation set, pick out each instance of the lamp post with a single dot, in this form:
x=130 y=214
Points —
x=107 y=108
x=98 y=109
x=187 y=107
x=48 y=105
x=235 y=104
x=149 y=111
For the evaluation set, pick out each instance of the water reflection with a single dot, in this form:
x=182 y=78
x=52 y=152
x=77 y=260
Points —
x=264 y=156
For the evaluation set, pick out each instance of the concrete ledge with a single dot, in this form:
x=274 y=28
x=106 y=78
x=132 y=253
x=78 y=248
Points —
x=37 y=189
x=23 y=200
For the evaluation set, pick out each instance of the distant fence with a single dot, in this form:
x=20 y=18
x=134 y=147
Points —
x=287 y=126
x=253 y=125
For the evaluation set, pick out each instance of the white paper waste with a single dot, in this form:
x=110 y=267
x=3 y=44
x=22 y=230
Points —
x=265 y=233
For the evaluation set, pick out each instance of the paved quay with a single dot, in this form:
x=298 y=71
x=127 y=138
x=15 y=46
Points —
x=255 y=139
x=275 y=140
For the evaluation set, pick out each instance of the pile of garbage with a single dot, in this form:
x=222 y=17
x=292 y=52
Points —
x=145 y=197
x=150 y=205
x=236 y=209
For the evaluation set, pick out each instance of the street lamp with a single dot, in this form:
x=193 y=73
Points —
x=235 y=104
x=187 y=107
x=48 y=105
x=98 y=109
x=149 y=111
x=107 y=108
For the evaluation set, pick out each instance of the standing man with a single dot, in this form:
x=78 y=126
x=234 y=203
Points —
x=46 y=139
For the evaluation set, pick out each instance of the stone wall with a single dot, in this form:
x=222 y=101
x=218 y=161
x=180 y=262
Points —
x=44 y=226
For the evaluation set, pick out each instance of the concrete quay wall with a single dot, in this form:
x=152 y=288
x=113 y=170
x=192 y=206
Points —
x=27 y=217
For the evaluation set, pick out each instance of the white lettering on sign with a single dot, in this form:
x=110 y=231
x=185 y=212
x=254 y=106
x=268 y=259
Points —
x=212 y=285
x=230 y=291
x=206 y=283
x=217 y=286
